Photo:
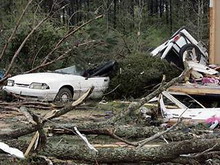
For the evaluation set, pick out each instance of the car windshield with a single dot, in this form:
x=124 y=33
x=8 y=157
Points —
x=69 y=70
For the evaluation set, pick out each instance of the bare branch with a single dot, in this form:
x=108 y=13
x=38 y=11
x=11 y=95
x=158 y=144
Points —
x=112 y=134
x=157 y=135
x=23 y=43
x=28 y=116
x=57 y=113
x=15 y=29
x=33 y=140
x=64 y=55
x=70 y=32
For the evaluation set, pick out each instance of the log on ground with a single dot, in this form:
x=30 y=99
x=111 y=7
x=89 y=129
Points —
x=163 y=153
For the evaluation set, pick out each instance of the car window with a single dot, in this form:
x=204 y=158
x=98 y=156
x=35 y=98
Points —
x=69 y=70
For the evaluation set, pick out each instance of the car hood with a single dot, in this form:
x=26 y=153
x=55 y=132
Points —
x=42 y=77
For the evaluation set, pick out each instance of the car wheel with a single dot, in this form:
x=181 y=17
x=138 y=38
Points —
x=64 y=95
x=190 y=52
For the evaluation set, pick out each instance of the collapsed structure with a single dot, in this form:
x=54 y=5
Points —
x=184 y=51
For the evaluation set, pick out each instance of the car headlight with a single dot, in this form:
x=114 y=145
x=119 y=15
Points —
x=10 y=83
x=35 y=85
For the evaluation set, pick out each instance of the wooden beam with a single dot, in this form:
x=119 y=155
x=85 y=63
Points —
x=195 y=90
x=212 y=17
x=214 y=32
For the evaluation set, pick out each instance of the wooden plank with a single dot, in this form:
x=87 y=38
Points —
x=196 y=89
x=217 y=31
x=185 y=121
x=212 y=32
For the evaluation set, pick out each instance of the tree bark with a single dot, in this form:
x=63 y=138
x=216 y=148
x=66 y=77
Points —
x=163 y=153
x=122 y=131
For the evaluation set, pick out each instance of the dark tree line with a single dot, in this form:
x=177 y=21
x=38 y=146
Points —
x=171 y=13
x=124 y=13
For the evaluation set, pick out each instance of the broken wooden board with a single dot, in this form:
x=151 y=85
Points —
x=187 y=122
x=195 y=89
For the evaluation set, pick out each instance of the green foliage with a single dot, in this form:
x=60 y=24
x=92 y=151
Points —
x=154 y=36
x=36 y=48
x=107 y=46
x=138 y=74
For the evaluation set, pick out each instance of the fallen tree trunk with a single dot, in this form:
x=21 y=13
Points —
x=13 y=134
x=122 y=131
x=164 y=153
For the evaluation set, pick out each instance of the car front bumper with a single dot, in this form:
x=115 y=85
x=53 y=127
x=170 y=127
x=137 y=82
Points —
x=47 y=95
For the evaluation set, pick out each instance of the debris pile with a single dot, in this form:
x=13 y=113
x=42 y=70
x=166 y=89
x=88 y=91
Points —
x=203 y=80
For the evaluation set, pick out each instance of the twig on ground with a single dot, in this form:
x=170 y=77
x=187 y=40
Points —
x=112 y=90
x=157 y=135
x=33 y=140
x=206 y=151
x=121 y=139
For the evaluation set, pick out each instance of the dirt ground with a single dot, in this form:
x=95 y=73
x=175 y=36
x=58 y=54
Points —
x=88 y=112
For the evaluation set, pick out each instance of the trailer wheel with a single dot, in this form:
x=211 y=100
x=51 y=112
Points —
x=190 y=52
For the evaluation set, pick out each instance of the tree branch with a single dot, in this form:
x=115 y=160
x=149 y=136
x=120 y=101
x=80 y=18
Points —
x=15 y=29
x=58 y=58
x=71 y=32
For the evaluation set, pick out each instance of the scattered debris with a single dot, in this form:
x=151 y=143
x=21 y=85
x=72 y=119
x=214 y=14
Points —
x=191 y=110
x=12 y=151
x=204 y=80
x=147 y=114
x=83 y=137
x=214 y=124
x=2 y=72
x=201 y=68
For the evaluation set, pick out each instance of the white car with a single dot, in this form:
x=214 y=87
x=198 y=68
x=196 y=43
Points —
x=61 y=85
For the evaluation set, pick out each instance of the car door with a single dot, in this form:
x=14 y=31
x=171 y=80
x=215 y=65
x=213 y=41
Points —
x=100 y=85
